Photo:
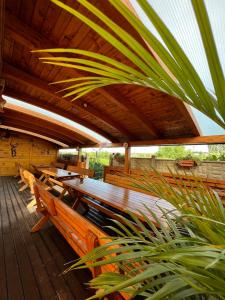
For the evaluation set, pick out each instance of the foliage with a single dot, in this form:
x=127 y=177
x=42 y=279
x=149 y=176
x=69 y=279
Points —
x=219 y=148
x=184 y=258
x=176 y=75
x=98 y=168
x=120 y=158
x=215 y=156
x=172 y=152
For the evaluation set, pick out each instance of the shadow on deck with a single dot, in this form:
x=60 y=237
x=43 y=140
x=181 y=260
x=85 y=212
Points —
x=31 y=264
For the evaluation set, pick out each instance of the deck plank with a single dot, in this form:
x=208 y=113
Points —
x=31 y=265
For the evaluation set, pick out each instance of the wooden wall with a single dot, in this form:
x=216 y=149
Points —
x=28 y=150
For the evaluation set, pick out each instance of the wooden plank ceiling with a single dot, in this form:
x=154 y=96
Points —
x=119 y=113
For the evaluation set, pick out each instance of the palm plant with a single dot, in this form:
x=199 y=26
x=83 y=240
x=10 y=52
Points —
x=184 y=259
x=176 y=76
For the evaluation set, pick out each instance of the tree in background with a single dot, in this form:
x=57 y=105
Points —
x=172 y=152
x=220 y=148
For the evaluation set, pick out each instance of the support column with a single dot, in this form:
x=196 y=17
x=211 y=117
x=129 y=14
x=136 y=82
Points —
x=127 y=158
x=78 y=155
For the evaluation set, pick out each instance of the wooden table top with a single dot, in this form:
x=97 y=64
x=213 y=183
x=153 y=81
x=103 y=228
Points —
x=120 y=198
x=58 y=173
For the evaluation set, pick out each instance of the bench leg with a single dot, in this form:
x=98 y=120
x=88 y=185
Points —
x=63 y=193
x=40 y=224
x=42 y=176
x=23 y=187
x=32 y=203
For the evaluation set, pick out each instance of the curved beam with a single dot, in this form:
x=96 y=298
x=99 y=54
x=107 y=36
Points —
x=55 y=109
x=35 y=134
x=71 y=131
x=12 y=73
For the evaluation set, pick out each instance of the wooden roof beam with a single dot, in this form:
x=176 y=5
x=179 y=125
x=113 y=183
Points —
x=12 y=73
x=31 y=39
x=133 y=110
x=198 y=140
x=31 y=127
x=23 y=119
x=42 y=104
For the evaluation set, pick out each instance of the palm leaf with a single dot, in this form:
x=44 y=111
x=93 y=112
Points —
x=182 y=82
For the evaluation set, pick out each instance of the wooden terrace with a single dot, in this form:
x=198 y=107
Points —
x=52 y=212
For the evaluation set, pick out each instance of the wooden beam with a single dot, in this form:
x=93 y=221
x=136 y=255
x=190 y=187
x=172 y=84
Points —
x=46 y=122
x=29 y=127
x=198 y=140
x=133 y=110
x=12 y=73
x=31 y=39
x=40 y=136
x=56 y=109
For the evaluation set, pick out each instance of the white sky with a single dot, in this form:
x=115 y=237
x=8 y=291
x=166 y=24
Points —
x=179 y=17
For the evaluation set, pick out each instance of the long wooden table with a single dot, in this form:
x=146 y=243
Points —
x=122 y=199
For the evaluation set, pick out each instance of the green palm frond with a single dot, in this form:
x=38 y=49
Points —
x=183 y=258
x=182 y=80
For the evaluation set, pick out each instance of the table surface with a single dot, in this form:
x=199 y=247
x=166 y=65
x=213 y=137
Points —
x=58 y=173
x=120 y=198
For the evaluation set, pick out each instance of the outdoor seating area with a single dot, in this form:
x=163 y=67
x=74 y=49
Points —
x=112 y=150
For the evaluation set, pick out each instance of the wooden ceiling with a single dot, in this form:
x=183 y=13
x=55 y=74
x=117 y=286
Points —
x=119 y=113
x=21 y=120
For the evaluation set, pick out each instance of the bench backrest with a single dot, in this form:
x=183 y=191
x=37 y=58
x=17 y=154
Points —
x=119 y=177
x=81 y=171
x=29 y=179
x=80 y=233
x=58 y=165
x=21 y=170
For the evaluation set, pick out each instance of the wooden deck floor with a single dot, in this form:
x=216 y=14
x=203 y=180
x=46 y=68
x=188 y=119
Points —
x=31 y=264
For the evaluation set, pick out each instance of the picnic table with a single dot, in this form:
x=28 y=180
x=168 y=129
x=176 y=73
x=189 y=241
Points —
x=56 y=173
x=122 y=199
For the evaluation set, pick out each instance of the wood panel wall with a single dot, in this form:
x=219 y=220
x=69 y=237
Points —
x=28 y=150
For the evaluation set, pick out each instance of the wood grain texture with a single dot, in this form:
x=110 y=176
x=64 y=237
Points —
x=28 y=151
x=122 y=199
x=31 y=265
x=120 y=113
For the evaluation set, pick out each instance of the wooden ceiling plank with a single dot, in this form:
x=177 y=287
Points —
x=124 y=103
x=24 y=126
x=14 y=115
x=12 y=73
x=42 y=104
x=33 y=40
x=10 y=114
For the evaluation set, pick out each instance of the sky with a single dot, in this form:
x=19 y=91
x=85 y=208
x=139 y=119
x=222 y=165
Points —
x=179 y=17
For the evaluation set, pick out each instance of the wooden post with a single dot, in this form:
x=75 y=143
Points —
x=127 y=158
x=78 y=155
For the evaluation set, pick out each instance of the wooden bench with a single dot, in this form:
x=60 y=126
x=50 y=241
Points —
x=120 y=178
x=29 y=180
x=81 y=234
x=187 y=164
x=58 y=165
x=81 y=171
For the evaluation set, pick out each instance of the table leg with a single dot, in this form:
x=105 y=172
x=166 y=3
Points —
x=42 y=176
x=76 y=202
